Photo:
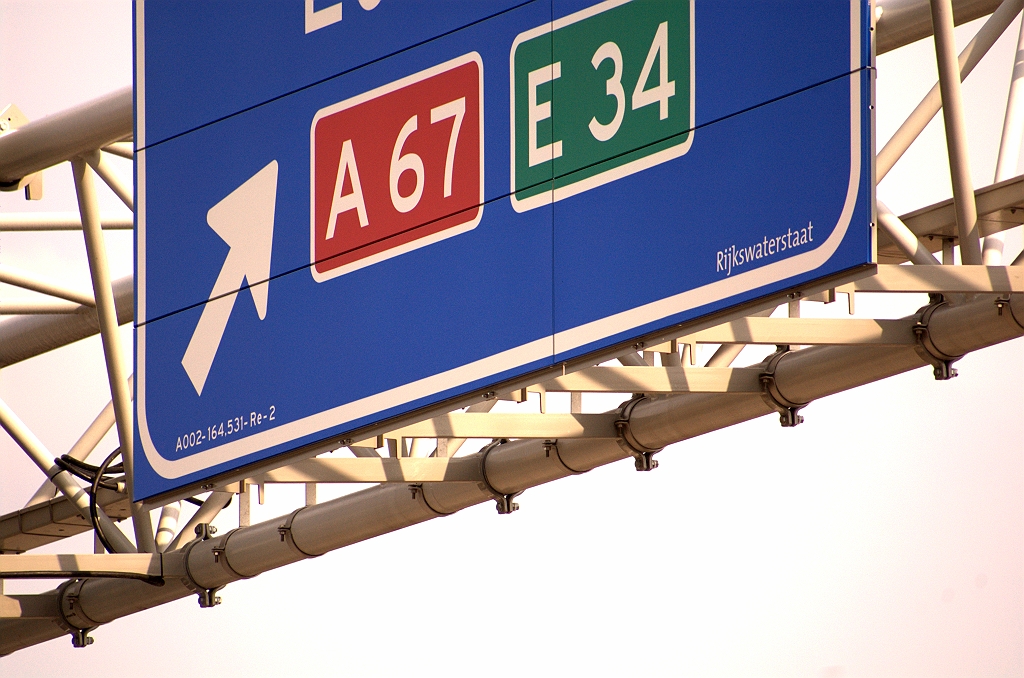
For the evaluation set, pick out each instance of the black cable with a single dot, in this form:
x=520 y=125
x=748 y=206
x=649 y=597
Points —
x=93 y=506
x=84 y=475
x=94 y=474
x=116 y=468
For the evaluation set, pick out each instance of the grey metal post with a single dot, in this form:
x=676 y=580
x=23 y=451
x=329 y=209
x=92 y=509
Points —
x=904 y=237
x=1009 y=143
x=956 y=132
x=932 y=102
x=97 y=252
x=167 y=525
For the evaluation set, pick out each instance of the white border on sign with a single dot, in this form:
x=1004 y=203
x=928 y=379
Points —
x=609 y=175
x=374 y=94
x=510 y=359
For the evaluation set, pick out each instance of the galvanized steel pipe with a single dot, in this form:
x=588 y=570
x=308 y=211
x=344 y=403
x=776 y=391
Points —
x=65 y=135
x=28 y=336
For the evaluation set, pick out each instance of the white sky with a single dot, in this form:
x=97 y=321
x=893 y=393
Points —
x=883 y=537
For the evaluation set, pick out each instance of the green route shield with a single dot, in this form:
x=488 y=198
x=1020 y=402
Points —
x=599 y=95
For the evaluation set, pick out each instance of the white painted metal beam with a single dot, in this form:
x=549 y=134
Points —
x=62 y=566
x=1000 y=207
x=616 y=379
x=28 y=281
x=65 y=135
x=952 y=279
x=956 y=132
x=60 y=221
x=810 y=331
x=27 y=337
x=117 y=378
x=379 y=470
x=511 y=425
x=902 y=22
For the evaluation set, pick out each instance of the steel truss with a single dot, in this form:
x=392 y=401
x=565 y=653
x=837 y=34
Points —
x=420 y=466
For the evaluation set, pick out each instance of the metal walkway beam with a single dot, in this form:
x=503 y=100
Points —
x=65 y=135
x=905 y=21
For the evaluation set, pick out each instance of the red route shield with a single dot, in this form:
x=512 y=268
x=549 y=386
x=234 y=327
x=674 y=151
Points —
x=397 y=168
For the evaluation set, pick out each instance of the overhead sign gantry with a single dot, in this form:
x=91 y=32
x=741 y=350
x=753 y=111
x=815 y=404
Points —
x=347 y=212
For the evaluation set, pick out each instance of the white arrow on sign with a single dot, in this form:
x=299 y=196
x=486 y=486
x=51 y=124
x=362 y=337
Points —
x=245 y=221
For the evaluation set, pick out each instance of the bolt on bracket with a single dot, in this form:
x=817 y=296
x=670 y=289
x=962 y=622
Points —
x=505 y=505
x=205 y=530
x=81 y=637
x=209 y=597
x=942 y=363
x=772 y=396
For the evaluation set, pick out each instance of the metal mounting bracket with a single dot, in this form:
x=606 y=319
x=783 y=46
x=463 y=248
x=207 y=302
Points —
x=81 y=637
x=11 y=118
x=209 y=597
x=787 y=409
x=69 y=613
x=205 y=531
x=942 y=363
x=503 y=502
x=643 y=456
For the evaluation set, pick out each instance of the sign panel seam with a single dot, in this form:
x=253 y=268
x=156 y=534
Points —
x=140 y=66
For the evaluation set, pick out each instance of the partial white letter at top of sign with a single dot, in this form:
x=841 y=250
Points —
x=536 y=112
x=321 y=18
x=317 y=19
x=354 y=200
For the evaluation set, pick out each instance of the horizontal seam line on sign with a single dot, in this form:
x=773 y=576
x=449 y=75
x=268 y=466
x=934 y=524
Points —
x=336 y=75
x=497 y=198
x=305 y=267
x=597 y=163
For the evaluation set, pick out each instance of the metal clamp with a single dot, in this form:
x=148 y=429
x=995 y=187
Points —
x=942 y=363
x=70 y=616
x=552 y=446
x=208 y=596
x=773 y=397
x=643 y=456
x=285 y=530
x=503 y=502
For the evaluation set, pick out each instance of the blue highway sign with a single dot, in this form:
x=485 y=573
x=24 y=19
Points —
x=352 y=211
